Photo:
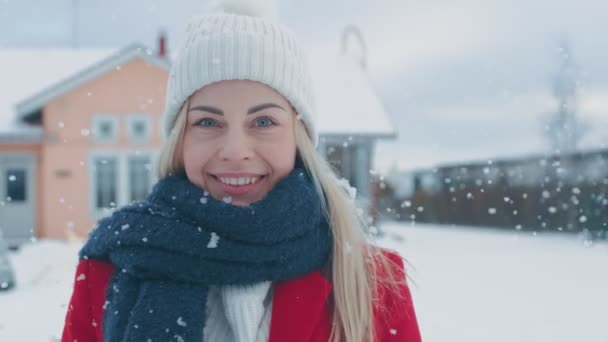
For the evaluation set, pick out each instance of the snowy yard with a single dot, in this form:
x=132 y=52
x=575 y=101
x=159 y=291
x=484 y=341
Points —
x=470 y=285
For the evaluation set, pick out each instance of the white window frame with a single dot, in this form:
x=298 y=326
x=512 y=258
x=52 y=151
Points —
x=127 y=169
x=98 y=119
x=93 y=193
x=122 y=182
x=134 y=118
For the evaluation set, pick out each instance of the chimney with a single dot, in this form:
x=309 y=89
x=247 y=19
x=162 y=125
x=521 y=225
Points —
x=162 y=44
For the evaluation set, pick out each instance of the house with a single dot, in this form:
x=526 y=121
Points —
x=80 y=132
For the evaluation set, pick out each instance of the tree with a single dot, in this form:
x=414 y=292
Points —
x=563 y=128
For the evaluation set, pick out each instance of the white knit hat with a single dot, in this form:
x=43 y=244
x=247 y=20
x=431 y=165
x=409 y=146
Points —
x=241 y=40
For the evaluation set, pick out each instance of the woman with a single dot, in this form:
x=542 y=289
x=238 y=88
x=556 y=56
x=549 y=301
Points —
x=248 y=235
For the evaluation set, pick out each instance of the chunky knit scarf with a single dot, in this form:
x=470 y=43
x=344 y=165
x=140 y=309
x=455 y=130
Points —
x=170 y=247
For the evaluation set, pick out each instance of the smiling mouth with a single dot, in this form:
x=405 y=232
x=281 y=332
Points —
x=239 y=181
x=239 y=186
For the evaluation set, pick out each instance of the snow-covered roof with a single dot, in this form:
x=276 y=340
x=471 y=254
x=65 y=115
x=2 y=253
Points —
x=26 y=72
x=92 y=71
x=346 y=101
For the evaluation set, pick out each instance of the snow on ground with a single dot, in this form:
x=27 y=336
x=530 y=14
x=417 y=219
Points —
x=469 y=285
x=494 y=286
x=35 y=309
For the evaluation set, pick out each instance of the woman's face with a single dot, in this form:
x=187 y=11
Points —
x=239 y=140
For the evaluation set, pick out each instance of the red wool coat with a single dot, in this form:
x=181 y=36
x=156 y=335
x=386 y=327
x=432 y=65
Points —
x=300 y=310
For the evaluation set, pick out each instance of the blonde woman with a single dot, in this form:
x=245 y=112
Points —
x=248 y=235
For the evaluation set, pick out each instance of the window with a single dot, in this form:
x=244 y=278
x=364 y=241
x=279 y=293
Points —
x=105 y=182
x=119 y=177
x=343 y=159
x=105 y=129
x=15 y=185
x=139 y=128
x=139 y=177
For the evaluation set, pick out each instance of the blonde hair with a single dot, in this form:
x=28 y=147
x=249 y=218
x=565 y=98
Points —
x=353 y=271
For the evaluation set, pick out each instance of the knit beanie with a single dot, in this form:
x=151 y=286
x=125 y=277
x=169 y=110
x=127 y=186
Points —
x=241 y=40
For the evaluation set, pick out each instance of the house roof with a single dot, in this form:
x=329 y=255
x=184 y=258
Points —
x=90 y=72
x=346 y=102
x=28 y=71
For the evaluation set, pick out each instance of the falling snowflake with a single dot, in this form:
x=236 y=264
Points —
x=374 y=230
x=213 y=241
x=347 y=248
x=181 y=322
x=352 y=192
x=227 y=199
x=405 y=204
x=204 y=200
x=81 y=277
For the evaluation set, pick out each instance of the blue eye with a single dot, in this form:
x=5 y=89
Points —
x=264 y=122
x=206 y=122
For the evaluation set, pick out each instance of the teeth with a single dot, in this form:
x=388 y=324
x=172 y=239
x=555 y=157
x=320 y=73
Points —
x=239 y=181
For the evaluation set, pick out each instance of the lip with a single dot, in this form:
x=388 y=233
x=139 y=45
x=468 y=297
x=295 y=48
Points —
x=236 y=190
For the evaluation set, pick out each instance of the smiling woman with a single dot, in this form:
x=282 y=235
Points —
x=248 y=235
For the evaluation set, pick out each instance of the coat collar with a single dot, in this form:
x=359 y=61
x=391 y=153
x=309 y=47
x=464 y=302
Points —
x=299 y=307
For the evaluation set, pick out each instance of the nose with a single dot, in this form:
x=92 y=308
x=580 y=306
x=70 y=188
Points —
x=236 y=146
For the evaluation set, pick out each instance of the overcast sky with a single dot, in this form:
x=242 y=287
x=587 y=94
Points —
x=462 y=80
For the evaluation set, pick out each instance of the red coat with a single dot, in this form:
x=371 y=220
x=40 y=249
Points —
x=299 y=309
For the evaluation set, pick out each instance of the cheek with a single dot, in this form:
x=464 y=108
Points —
x=280 y=157
x=195 y=156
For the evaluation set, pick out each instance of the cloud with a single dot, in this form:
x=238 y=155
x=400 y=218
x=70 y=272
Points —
x=506 y=127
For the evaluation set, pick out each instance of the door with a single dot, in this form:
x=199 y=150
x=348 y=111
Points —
x=17 y=172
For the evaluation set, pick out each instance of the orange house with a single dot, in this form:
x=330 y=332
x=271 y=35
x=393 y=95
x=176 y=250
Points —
x=80 y=132
x=82 y=145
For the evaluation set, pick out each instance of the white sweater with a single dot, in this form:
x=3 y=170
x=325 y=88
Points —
x=239 y=313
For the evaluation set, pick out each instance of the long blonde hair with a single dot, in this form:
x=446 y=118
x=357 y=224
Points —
x=354 y=260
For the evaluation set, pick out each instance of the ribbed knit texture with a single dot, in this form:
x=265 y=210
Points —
x=221 y=47
x=239 y=313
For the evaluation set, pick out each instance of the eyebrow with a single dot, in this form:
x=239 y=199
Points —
x=251 y=110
